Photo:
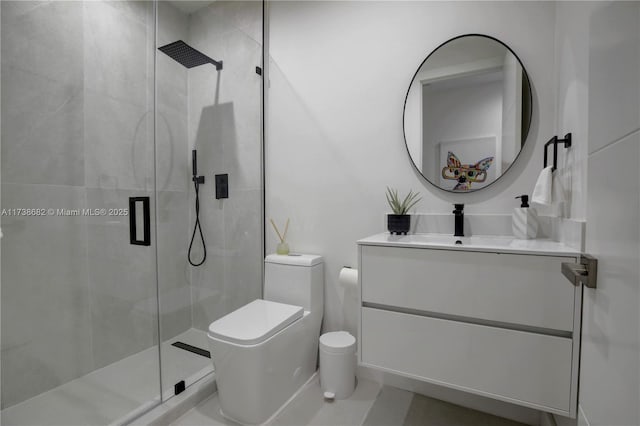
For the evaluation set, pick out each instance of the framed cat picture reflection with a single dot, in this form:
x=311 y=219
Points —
x=467 y=164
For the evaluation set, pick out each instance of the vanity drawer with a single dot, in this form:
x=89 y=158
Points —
x=507 y=288
x=521 y=367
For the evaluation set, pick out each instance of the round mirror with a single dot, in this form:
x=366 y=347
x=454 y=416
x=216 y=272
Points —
x=467 y=113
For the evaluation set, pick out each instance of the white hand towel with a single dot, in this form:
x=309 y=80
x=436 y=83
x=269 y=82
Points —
x=543 y=192
x=558 y=196
x=558 y=193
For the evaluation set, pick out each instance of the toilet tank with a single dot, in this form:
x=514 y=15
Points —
x=295 y=279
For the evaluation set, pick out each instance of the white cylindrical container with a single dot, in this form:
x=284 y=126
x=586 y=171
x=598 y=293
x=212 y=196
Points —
x=338 y=363
x=348 y=277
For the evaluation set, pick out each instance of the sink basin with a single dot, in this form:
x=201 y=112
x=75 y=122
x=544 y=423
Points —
x=449 y=240
x=487 y=243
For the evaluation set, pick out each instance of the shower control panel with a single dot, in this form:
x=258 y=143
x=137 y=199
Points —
x=222 y=186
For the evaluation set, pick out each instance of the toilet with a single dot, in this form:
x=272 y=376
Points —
x=266 y=350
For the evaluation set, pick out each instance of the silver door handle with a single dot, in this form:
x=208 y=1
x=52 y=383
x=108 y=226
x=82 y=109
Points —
x=585 y=272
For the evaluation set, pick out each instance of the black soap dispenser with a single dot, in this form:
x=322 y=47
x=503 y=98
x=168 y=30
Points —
x=525 y=220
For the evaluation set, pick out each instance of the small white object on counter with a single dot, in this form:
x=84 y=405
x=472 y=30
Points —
x=524 y=220
x=525 y=223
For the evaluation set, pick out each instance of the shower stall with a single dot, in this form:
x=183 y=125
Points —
x=103 y=316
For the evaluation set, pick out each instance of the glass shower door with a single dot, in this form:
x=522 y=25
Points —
x=79 y=290
x=208 y=100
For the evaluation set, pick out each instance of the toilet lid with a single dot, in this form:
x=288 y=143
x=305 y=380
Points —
x=255 y=322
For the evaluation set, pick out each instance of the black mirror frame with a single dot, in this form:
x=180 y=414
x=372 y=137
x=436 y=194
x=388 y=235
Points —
x=528 y=130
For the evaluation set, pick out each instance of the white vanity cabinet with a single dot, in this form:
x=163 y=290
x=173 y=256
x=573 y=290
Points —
x=499 y=321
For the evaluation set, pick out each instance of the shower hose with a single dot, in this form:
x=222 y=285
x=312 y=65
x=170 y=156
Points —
x=197 y=226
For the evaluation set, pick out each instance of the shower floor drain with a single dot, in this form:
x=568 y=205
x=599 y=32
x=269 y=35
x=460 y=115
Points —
x=196 y=350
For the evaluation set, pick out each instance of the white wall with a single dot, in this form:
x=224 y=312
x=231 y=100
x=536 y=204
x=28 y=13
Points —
x=599 y=101
x=572 y=65
x=0 y=230
x=339 y=73
x=572 y=69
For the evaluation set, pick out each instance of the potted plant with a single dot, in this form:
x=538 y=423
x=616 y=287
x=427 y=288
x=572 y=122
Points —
x=399 y=222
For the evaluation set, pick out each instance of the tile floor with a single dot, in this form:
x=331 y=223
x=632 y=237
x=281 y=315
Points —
x=116 y=391
x=369 y=405
x=399 y=407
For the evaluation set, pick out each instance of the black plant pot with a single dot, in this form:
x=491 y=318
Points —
x=398 y=223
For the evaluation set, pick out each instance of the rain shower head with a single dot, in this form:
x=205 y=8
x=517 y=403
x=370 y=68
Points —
x=187 y=56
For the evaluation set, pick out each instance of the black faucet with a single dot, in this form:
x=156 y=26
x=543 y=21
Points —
x=458 y=213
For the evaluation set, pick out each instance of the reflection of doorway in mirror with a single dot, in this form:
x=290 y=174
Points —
x=468 y=151
x=511 y=111
x=459 y=108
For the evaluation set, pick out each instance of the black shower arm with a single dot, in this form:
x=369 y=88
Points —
x=218 y=64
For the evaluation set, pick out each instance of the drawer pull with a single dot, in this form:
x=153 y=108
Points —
x=585 y=272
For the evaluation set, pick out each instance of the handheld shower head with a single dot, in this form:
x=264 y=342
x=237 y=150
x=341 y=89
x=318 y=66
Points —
x=194 y=168
x=197 y=181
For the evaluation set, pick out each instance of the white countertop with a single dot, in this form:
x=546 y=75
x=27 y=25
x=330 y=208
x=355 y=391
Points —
x=489 y=243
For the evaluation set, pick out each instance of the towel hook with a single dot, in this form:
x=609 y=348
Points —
x=555 y=141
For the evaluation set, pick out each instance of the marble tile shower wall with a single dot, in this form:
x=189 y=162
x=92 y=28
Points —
x=225 y=127
x=77 y=111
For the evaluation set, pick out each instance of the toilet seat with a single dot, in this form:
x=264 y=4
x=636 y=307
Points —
x=255 y=322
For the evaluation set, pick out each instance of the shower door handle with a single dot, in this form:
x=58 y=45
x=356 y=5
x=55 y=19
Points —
x=134 y=203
